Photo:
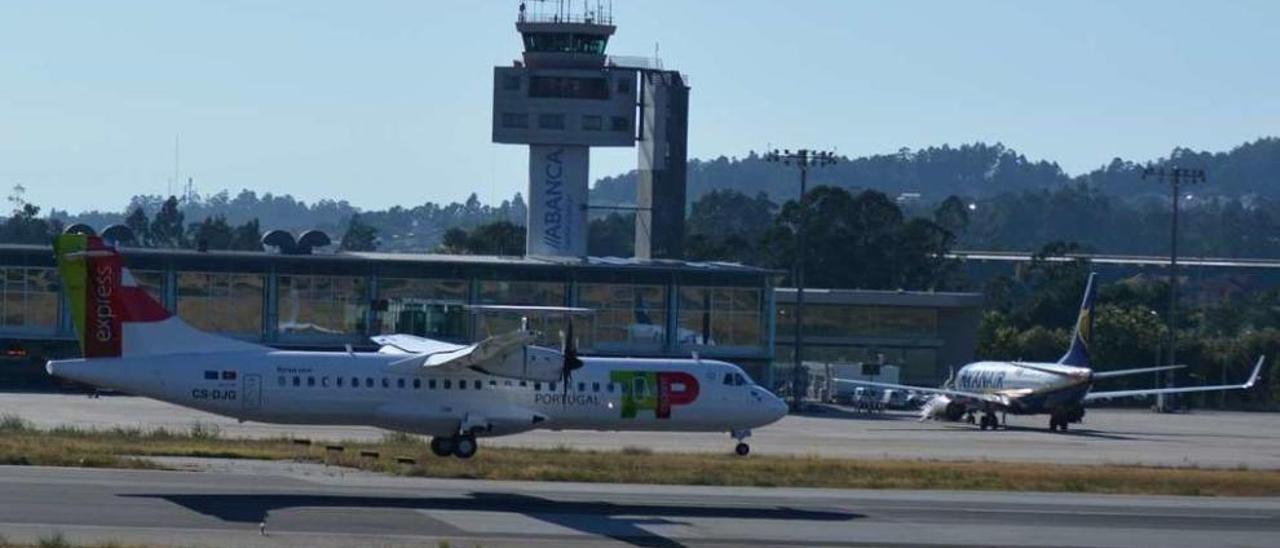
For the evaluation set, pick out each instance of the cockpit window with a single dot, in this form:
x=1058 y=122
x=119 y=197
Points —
x=728 y=379
x=739 y=380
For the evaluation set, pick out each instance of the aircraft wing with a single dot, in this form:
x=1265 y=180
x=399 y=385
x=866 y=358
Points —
x=409 y=344
x=1253 y=379
x=1122 y=372
x=464 y=357
x=990 y=398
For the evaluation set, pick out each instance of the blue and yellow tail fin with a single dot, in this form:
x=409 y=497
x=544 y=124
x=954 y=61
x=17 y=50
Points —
x=1078 y=353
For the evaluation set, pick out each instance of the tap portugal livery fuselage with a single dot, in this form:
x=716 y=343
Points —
x=1060 y=390
x=451 y=392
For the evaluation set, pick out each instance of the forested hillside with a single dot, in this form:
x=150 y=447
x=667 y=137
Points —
x=1011 y=203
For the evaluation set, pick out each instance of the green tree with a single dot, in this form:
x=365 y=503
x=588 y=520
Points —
x=952 y=215
x=24 y=225
x=359 y=236
x=727 y=225
x=167 y=229
x=612 y=236
x=247 y=237
x=500 y=238
x=213 y=233
x=141 y=226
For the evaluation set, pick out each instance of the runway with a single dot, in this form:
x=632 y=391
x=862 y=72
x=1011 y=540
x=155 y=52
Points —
x=1205 y=438
x=303 y=509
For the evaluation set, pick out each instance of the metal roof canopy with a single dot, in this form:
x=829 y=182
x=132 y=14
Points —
x=407 y=264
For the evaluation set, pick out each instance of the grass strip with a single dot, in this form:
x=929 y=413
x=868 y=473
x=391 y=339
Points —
x=20 y=443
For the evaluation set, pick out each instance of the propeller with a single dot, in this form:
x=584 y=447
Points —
x=571 y=360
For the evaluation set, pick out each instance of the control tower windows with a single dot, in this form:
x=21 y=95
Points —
x=592 y=123
x=511 y=82
x=515 y=120
x=557 y=87
x=550 y=121
x=543 y=42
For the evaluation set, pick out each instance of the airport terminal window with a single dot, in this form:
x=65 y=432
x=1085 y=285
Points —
x=424 y=307
x=721 y=316
x=592 y=122
x=221 y=302
x=829 y=320
x=517 y=120
x=628 y=317
x=30 y=298
x=550 y=121
x=321 y=307
x=522 y=293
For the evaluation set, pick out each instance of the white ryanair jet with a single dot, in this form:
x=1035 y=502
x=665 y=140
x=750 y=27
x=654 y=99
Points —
x=451 y=392
x=1060 y=390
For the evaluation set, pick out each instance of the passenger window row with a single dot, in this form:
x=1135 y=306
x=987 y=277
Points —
x=326 y=381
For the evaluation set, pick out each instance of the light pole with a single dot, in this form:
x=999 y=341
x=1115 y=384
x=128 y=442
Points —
x=1175 y=176
x=804 y=159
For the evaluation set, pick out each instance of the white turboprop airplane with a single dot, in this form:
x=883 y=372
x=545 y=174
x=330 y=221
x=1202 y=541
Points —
x=1060 y=389
x=453 y=393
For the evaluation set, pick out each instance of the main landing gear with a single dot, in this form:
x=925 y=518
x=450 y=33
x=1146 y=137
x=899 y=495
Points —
x=742 y=449
x=989 y=420
x=462 y=446
x=1057 y=424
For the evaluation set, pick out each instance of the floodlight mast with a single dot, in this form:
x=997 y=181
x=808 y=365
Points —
x=1175 y=176
x=803 y=159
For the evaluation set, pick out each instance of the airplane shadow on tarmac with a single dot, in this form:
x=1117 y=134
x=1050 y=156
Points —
x=615 y=521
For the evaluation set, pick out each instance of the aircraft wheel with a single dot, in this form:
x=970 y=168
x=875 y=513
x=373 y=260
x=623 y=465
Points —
x=465 y=447
x=442 y=446
x=742 y=449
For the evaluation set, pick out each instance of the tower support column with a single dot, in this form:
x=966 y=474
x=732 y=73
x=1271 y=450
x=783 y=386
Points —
x=557 y=213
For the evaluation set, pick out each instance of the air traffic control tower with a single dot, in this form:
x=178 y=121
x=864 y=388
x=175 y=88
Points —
x=565 y=96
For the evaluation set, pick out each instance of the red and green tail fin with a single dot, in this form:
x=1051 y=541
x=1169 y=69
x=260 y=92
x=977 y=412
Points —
x=102 y=295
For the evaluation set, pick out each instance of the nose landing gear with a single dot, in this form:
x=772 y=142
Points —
x=742 y=449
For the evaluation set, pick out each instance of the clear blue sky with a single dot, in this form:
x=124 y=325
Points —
x=387 y=102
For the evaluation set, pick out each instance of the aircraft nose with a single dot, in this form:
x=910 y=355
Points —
x=777 y=408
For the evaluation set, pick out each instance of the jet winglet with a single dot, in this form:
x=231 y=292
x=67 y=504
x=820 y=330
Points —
x=1257 y=372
